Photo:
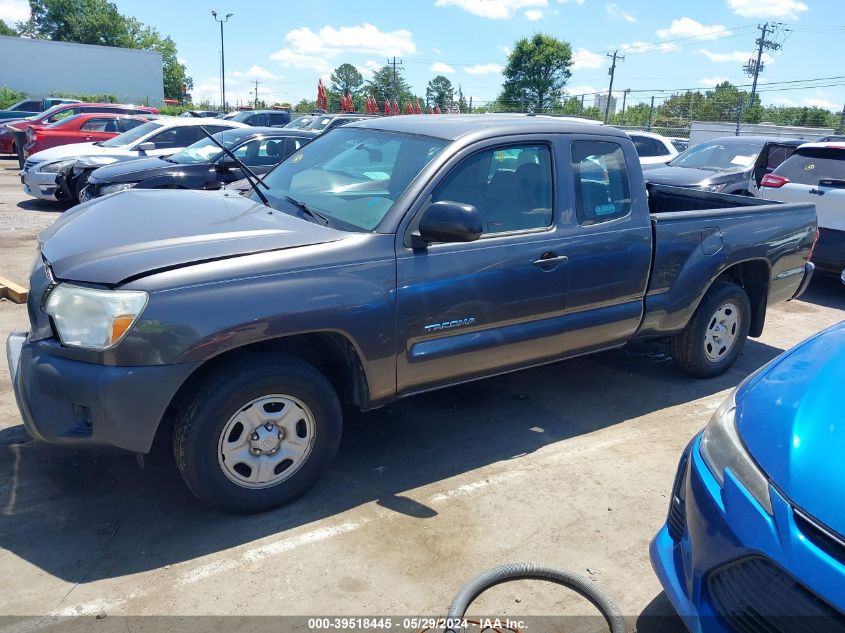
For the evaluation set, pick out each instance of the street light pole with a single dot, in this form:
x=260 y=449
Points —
x=222 y=58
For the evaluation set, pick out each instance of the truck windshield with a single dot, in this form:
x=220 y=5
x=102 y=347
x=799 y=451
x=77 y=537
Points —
x=132 y=135
x=720 y=156
x=351 y=176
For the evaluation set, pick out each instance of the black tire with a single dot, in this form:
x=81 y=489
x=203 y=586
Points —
x=689 y=347
x=224 y=392
x=79 y=185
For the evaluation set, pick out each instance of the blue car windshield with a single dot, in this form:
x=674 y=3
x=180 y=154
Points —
x=352 y=176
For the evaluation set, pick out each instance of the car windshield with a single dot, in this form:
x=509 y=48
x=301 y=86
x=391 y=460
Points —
x=319 y=123
x=300 y=123
x=720 y=155
x=351 y=176
x=62 y=122
x=132 y=135
x=205 y=150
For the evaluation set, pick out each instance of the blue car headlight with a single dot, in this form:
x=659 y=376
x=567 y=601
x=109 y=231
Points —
x=722 y=448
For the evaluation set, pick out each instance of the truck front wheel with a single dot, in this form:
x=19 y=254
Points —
x=257 y=433
x=714 y=336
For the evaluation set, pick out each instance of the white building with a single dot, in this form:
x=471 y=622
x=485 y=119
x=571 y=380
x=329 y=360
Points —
x=601 y=103
x=42 y=68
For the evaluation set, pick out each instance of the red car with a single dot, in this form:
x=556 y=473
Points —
x=7 y=132
x=80 y=128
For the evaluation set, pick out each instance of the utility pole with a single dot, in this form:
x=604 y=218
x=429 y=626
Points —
x=624 y=97
x=739 y=114
x=650 y=114
x=754 y=67
x=222 y=58
x=394 y=63
x=612 y=71
x=256 y=95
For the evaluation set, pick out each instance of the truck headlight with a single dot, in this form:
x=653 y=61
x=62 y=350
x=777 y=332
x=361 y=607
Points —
x=714 y=188
x=92 y=318
x=722 y=448
x=55 y=168
x=121 y=186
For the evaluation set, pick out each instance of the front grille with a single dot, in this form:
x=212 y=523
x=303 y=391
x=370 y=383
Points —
x=822 y=537
x=676 y=520
x=755 y=596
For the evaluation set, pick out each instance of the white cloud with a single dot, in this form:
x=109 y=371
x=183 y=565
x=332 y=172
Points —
x=483 y=69
x=689 y=28
x=182 y=60
x=12 y=11
x=365 y=38
x=493 y=9
x=579 y=90
x=288 y=57
x=436 y=51
x=783 y=101
x=571 y=1
x=255 y=72
x=507 y=50
x=815 y=102
x=614 y=11
x=648 y=47
x=442 y=69
x=582 y=58
x=711 y=82
x=370 y=66
x=733 y=56
x=534 y=15
x=767 y=8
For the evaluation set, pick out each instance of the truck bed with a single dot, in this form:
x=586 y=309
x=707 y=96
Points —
x=698 y=232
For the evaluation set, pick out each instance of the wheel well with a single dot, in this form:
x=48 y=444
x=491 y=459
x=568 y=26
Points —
x=753 y=277
x=330 y=353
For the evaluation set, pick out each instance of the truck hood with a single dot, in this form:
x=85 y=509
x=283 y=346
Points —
x=128 y=234
x=690 y=177
x=790 y=419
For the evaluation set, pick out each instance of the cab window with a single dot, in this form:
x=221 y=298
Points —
x=511 y=187
x=601 y=182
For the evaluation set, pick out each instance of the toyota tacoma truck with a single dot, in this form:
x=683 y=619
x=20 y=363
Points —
x=387 y=258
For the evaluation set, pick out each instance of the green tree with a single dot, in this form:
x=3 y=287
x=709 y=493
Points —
x=381 y=86
x=536 y=72
x=5 y=29
x=439 y=92
x=99 y=22
x=346 y=80
x=305 y=106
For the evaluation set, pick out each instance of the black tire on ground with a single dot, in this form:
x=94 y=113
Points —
x=80 y=184
x=226 y=391
x=689 y=348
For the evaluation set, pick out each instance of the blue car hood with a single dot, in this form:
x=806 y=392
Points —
x=791 y=421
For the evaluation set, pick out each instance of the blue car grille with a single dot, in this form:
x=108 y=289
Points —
x=824 y=538
x=755 y=596
x=676 y=520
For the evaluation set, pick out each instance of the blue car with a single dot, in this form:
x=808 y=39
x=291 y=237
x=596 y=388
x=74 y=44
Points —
x=755 y=536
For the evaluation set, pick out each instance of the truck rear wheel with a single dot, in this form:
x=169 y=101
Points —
x=714 y=336
x=257 y=433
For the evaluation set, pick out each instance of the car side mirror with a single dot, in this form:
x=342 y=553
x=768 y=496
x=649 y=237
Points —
x=447 y=221
x=147 y=147
x=226 y=164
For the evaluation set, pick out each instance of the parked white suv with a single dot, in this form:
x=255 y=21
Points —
x=160 y=137
x=815 y=172
x=653 y=149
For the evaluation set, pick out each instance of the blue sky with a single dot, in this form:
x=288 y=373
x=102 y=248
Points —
x=668 y=45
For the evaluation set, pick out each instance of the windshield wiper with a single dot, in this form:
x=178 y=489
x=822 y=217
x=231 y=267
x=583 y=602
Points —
x=250 y=176
x=308 y=210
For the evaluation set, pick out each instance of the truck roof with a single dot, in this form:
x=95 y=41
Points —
x=452 y=127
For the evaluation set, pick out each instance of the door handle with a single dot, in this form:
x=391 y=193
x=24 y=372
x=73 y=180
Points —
x=550 y=259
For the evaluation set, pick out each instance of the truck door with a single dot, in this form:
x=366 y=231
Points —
x=468 y=309
x=608 y=232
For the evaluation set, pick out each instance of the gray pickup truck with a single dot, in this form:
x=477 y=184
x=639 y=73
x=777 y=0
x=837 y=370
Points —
x=386 y=258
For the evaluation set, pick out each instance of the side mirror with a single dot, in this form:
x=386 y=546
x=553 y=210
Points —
x=226 y=164
x=147 y=147
x=447 y=221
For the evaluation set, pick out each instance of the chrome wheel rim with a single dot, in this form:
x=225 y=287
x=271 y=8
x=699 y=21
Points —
x=722 y=332
x=266 y=441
